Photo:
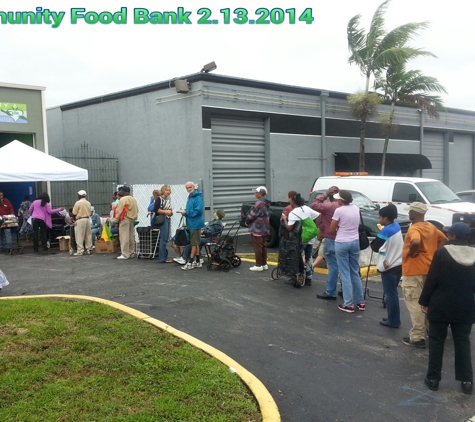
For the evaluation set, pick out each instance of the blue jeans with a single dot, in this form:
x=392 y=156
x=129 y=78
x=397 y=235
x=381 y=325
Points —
x=164 y=235
x=332 y=265
x=390 y=282
x=8 y=237
x=347 y=256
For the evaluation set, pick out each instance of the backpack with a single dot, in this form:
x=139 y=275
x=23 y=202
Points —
x=309 y=229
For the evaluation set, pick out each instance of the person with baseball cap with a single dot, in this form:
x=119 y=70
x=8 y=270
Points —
x=126 y=213
x=258 y=220
x=421 y=242
x=448 y=298
x=82 y=231
x=326 y=210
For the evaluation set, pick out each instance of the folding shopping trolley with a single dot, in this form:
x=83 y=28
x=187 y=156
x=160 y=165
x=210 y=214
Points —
x=148 y=242
x=222 y=253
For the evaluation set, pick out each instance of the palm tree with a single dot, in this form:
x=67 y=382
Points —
x=410 y=87
x=377 y=49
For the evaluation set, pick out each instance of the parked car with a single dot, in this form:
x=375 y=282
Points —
x=466 y=195
x=444 y=206
x=369 y=214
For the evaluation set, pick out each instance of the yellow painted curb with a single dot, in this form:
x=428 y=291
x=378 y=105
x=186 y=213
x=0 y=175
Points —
x=267 y=405
x=364 y=270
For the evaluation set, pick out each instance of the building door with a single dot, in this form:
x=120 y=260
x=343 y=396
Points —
x=238 y=162
x=433 y=149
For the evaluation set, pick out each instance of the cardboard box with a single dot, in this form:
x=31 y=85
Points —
x=63 y=243
x=106 y=247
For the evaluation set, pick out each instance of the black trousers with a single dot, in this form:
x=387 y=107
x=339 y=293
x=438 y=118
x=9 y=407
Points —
x=40 y=226
x=463 y=358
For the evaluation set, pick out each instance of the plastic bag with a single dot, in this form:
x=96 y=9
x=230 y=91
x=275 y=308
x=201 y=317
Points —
x=3 y=280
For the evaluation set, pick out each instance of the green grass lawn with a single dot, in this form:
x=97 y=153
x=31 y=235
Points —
x=80 y=361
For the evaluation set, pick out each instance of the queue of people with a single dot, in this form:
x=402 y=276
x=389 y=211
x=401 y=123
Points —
x=438 y=278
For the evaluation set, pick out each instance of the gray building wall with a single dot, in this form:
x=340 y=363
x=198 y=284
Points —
x=162 y=136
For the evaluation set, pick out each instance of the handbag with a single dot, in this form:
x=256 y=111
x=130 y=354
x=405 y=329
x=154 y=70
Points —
x=363 y=238
x=182 y=234
x=158 y=220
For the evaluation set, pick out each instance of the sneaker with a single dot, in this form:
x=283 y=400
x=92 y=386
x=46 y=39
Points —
x=256 y=268
x=187 y=266
x=360 y=306
x=202 y=261
x=71 y=252
x=420 y=344
x=326 y=296
x=179 y=260
x=132 y=255
x=88 y=252
x=432 y=384
x=467 y=387
x=265 y=267
x=197 y=264
x=122 y=257
x=344 y=308
x=78 y=254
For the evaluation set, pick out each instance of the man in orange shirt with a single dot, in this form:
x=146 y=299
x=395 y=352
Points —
x=421 y=242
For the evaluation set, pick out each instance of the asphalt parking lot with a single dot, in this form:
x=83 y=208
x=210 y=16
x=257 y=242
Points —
x=319 y=364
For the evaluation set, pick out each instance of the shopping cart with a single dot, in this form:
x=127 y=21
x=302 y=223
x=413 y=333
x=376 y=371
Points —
x=148 y=242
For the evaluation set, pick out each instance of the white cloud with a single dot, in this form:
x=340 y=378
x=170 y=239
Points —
x=76 y=62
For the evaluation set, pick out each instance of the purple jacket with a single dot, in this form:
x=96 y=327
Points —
x=43 y=213
x=258 y=218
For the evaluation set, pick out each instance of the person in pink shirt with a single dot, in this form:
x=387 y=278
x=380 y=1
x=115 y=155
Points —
x=40 y=212
x=344 y=225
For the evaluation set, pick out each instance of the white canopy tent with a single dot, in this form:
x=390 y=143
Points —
x=21 y=163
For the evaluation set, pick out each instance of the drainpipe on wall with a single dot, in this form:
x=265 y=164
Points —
x=448 y=137
x=421 y=135
x=323 y=157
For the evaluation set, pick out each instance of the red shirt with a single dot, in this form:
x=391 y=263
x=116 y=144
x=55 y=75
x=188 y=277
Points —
x=6 y=208
x=326 y=209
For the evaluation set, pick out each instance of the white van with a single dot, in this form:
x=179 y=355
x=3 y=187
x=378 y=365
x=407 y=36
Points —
x=445 y=207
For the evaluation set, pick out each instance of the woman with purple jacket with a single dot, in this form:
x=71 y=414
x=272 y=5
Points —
x=40 y=212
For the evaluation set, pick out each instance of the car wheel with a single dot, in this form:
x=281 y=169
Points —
x=272 y=240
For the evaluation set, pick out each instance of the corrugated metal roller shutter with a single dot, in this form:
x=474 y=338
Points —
x=238 y=160
x=433 y=149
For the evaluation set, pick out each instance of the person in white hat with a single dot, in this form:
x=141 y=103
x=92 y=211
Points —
x=257 y=219
x=421 y=242
x=82 y=231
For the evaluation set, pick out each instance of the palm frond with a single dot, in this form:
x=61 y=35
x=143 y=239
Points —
x=376 y=30
x=399 y=36
x=397 y=55
x=356 y=43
